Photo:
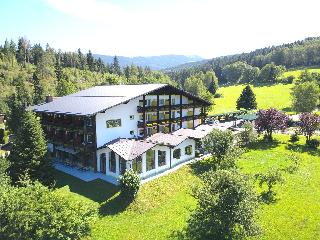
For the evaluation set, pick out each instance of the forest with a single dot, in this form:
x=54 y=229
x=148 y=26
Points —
x=29 y=72
x=303 y=53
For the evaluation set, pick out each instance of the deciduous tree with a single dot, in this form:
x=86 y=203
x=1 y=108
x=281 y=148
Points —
x=305 y=96
x=308 y=124
x=226 y=209
x=270 y=120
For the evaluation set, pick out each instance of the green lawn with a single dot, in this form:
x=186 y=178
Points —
x=297 y=72
x=163 y=205
x=277 y=96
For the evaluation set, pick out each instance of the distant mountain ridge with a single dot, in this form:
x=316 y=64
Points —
x=154 y=62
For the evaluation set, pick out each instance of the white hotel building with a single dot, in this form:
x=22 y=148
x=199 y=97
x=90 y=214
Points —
x=149 y=128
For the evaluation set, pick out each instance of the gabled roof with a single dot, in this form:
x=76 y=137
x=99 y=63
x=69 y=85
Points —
x=100 y=98
x=166 y=139
x=95 y=99
x=197 y=133
x=129 y=149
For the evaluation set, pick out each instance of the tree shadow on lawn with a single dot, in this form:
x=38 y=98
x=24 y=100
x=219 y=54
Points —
x=267 y=197
x=202 y=166
x=97 y=190
x=303 y=149
x=263 y=144
x=114 y=205
x=287 y=109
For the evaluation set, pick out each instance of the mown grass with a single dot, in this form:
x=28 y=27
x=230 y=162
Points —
x=277 y=96
x=297 y=72
x=164 y=205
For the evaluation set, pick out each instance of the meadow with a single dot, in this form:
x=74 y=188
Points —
x=277 y=96
x=297 y=72
x=163 y=205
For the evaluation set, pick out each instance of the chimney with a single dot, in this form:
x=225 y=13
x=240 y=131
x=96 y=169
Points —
x=49 y=99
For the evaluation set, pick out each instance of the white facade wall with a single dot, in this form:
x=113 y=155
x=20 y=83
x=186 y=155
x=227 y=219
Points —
x=170 y=161
x=122 y=112
x=183 y=157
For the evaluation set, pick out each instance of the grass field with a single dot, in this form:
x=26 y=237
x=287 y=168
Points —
x=297 y=72
x=164 y=204
x=277 y=96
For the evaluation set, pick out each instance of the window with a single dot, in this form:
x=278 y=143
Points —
x=149 y=117
x=141 y=132
x=161 y=115
x=161 y=158
x=150 y=160
x=148 y=102
x=173 y=101
x=177 y=153
x=173 y=114
x=161 y=102
x=89 y=138
x=188 y=150
x=89 y=122
x=122 y=165
x=113 y=123
x=112 y=162
x=103 y=162
x=137 y=165
x=132 y=132
x=131 y=117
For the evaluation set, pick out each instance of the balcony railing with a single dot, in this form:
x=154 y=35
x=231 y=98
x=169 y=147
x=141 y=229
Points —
x=173 y=120
x=166 y=107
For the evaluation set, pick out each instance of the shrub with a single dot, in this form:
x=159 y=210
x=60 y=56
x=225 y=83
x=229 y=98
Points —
x=313 y=143
x=218 y=95
x=218 y=142
x=226 y=207
x=248 y=135
x=290 y=79
x=295 y=162
x=272 y=177
x=34 y=211
x=294 y=137
x=129 y=184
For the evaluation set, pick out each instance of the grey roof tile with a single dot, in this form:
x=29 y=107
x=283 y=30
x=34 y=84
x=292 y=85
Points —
x=166 y=139
x=129 y=149
x=95 y=99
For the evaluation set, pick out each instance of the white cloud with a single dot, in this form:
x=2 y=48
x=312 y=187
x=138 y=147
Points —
x=203 y=27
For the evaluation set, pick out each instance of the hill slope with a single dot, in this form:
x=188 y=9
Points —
x=154 y=62
x=302 y=53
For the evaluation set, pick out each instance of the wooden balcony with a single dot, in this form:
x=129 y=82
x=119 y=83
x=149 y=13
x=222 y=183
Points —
x=173 y=120
x=166 y=107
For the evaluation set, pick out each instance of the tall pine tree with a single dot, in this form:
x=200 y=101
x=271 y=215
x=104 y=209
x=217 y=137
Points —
x=247 y=99
x=38 y=88
x=29 y=152
x=116 y=69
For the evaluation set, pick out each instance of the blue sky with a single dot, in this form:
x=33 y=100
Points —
x=208 y=28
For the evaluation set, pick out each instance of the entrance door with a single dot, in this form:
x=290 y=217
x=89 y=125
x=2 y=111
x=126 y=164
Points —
x=103 y=163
